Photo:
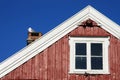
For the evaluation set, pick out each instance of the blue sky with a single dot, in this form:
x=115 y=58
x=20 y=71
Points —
x=16 y=16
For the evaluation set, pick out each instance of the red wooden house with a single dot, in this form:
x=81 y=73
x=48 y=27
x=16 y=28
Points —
x=84 y=47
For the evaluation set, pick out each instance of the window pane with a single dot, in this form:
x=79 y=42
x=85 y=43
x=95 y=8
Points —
x=80 y=48
x=80 y=63
x=96 y=63
x=96 y=49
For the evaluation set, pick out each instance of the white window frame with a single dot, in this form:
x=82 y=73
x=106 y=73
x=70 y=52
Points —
x=105 y=43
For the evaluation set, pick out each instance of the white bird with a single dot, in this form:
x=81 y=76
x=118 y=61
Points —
x=30 y=29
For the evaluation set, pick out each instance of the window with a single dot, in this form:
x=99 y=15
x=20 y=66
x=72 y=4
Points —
x=89 y=55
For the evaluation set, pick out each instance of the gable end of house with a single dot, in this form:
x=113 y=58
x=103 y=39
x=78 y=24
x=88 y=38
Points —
x=88 y=14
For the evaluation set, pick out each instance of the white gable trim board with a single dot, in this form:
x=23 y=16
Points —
x=48 y=39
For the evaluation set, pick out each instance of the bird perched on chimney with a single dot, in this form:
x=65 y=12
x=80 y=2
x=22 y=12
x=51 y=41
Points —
x=30 y=29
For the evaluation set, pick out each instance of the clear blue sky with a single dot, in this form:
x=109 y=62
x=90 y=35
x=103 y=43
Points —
x=16 y=16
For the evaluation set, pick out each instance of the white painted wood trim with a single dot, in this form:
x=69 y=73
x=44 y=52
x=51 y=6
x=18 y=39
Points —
x=88 y=40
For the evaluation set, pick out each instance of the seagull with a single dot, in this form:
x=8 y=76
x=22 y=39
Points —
x=30 y=29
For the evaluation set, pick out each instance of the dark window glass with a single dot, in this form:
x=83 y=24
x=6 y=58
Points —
x=96 y=49
x=80 y=48
x=80 y=63
x=96 y=63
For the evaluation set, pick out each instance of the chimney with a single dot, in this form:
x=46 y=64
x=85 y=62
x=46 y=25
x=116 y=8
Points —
x=32 y=35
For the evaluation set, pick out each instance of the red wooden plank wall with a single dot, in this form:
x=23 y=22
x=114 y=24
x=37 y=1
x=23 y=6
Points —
x=53 y=62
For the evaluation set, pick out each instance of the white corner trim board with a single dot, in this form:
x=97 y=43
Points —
x=55 y=34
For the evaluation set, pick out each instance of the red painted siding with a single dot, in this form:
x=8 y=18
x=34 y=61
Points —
x=53 y=62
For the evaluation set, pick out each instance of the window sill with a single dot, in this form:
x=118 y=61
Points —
x=89 y=72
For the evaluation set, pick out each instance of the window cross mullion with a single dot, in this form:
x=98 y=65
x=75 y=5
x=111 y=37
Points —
x=88 y=56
